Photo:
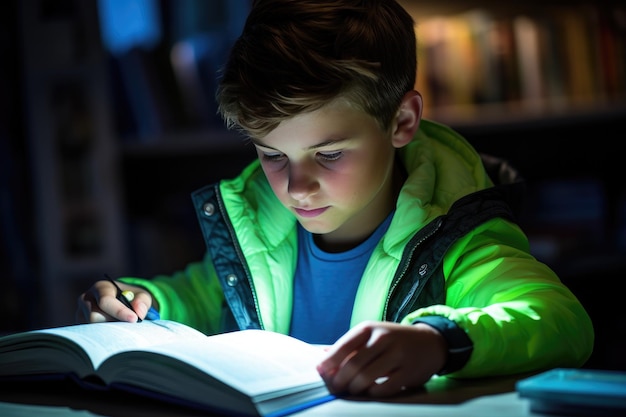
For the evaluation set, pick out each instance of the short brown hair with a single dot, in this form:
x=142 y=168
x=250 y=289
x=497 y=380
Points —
x=295 y=56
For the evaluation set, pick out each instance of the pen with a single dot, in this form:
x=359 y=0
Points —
x=122 y=297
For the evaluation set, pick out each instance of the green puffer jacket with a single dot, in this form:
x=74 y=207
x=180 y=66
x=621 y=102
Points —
x=452 y=250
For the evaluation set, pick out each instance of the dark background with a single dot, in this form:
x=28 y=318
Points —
x=575 y=213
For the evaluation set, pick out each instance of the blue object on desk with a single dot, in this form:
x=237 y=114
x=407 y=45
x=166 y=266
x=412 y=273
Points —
x=580 y=392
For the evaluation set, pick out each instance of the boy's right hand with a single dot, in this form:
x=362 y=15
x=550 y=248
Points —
x=99 y=303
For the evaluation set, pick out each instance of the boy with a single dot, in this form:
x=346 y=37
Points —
x=360 y=225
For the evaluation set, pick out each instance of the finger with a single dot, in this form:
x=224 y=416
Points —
x=116 y=309
x=387 y=386
x=140 y=299
x=406 y=376
x=362 y=370
x=141 y=302
x=343 y=348
x=88 y=311
x=99 y=317
x=109 y=308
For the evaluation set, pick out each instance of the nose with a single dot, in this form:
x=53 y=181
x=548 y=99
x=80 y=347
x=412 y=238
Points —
x=303 y=181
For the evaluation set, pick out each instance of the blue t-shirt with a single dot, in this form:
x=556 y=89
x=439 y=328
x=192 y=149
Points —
x=325 y=286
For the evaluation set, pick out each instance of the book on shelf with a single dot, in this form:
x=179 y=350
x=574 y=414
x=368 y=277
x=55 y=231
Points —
x=527 y=34
x=553 y=59
x=248 y=373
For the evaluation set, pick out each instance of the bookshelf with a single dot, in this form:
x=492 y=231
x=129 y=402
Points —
x=488 y=60
x=73 y=151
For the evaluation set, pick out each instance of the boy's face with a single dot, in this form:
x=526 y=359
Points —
x=332 y=168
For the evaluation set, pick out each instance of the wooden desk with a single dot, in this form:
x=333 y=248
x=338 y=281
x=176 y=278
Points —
x=442 y=397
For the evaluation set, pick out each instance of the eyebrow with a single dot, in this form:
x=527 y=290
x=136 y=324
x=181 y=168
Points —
x=323 y=144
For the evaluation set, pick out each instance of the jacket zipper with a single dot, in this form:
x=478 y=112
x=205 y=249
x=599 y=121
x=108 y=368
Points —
x=406 y=263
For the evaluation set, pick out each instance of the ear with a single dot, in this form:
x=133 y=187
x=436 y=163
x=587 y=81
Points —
x=407 y=119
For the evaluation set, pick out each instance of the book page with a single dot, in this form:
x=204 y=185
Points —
x=55 y=349
x=258 y=363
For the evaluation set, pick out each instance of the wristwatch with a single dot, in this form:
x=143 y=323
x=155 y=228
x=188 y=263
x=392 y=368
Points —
x=460 y=346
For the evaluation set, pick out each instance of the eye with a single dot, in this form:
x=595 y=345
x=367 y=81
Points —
x=330 y=156
x=273 y=156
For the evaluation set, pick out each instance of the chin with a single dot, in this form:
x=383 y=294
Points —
x=316 y=227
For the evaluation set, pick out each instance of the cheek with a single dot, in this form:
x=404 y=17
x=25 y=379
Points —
x=277 y=180
x=349 y=185
x=362 y=184
x=371 y=171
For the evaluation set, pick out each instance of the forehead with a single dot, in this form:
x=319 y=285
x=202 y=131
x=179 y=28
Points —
x=337 y=120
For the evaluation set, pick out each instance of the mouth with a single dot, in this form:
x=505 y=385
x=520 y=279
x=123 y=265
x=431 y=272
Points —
x=309 y=212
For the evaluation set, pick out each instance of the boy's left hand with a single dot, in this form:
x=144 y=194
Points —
x=382 y=359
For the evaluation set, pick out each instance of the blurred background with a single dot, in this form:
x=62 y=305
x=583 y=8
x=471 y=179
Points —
x=108 y=123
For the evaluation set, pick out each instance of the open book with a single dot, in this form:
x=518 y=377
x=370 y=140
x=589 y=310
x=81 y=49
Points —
x=249 y=372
